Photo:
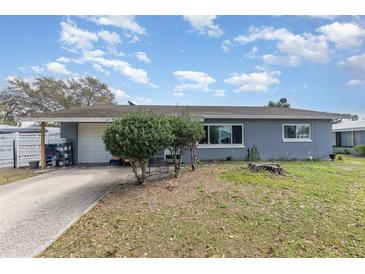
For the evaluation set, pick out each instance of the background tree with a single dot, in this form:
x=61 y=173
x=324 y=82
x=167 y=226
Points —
x=282 y=103
x=21 y=97
x=137 y=137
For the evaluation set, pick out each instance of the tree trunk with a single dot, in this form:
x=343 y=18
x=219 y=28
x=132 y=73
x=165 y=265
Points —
x=192 y=149
x=140 y=178
x=144 y=173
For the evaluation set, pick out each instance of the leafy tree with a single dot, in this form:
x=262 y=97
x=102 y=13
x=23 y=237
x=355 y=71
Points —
x=196 y=134
x=21 y=97
x=137 y=137
x=187 y=133
x=282 y=103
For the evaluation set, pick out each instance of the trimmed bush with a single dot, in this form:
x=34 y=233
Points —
x=137 y=137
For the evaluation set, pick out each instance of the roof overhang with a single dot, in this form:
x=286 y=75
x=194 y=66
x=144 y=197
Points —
x=69 y=119
x=348 y=129
x=293 y=117
x=201 y=118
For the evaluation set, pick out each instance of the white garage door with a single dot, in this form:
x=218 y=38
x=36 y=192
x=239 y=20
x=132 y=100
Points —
x=91 y=147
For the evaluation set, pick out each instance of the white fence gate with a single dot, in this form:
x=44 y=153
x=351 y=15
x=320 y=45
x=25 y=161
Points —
x=17 y=149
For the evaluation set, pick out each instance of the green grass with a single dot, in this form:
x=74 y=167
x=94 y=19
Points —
x=10 y=175
x=225 y=210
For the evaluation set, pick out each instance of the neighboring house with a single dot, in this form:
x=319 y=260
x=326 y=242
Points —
x=348 y=134
x=278 y=133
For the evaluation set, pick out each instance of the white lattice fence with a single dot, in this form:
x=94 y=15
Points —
x=22 y=147
x=6 y=150
x=28 y=148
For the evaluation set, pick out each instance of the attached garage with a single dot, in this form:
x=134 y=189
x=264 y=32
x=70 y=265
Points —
x=91 y=147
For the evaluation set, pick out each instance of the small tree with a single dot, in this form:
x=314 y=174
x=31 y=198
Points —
x=137 y=137
x=196 y=134
x=180 y=126
x=187 y=133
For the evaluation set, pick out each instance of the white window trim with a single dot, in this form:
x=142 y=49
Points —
x=297 y=140
x=223 y=145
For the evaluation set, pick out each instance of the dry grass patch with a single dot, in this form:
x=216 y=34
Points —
x=10 y=175
x=224 y=210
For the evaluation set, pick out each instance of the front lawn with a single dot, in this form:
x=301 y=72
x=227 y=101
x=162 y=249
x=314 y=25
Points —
x=224 y=210
x=10 y=175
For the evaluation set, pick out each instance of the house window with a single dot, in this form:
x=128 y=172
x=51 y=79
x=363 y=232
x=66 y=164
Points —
x=296 y=132
x=222 y=135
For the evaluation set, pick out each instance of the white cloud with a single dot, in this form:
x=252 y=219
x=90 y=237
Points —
x=256 y=81
x=252 y=53
x=219 y=92
x=136 y=75
x=142 y=101
x=63 y=60
x=57 y=68
x=89 y=54
x=344 y=35
x=178 y=94
x=99 y=68
x=226 y=45
x=305 y=47
x=125 y=22
x=355 y=82
x=193 y=80
x=142 y=56
x=283 y=60
x=37 y=69
x=112 y=38
x=134 y=39
x=75 y=37
x=120 y=95
x=10 y=78
x=204 y=24
x=354 y=64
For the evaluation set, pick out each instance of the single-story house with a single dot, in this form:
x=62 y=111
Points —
x=348 y=134
x=278 y=133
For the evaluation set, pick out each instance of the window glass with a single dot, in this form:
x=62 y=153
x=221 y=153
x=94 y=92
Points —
x=225 y=134
x=359 y=137
x=289 y=131
x=346 y=139
x=222 y=134
x=297 y=131
x=236 y=134
x=214 y=134
x=303 y=131
x=205 y=139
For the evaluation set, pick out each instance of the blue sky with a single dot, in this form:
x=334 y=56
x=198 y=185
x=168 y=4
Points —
x=315 y=62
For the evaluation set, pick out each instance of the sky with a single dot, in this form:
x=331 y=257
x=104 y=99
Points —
x=316 y=63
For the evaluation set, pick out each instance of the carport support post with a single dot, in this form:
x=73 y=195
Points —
x=43 y=145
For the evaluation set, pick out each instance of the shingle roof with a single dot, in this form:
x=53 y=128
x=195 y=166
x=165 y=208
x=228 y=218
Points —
x=111 y=111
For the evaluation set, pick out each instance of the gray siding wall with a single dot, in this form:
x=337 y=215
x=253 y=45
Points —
x=70 y=131
x=266 y=135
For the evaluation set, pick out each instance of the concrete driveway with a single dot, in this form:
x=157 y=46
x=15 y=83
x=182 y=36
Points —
x=35 y=211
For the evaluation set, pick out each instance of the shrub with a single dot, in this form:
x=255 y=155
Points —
x=346 y=151
x=340 y=157
x=253 y=154
x=137 y=137
x=360 y=149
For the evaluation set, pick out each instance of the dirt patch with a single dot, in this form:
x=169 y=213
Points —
x=157 y=194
